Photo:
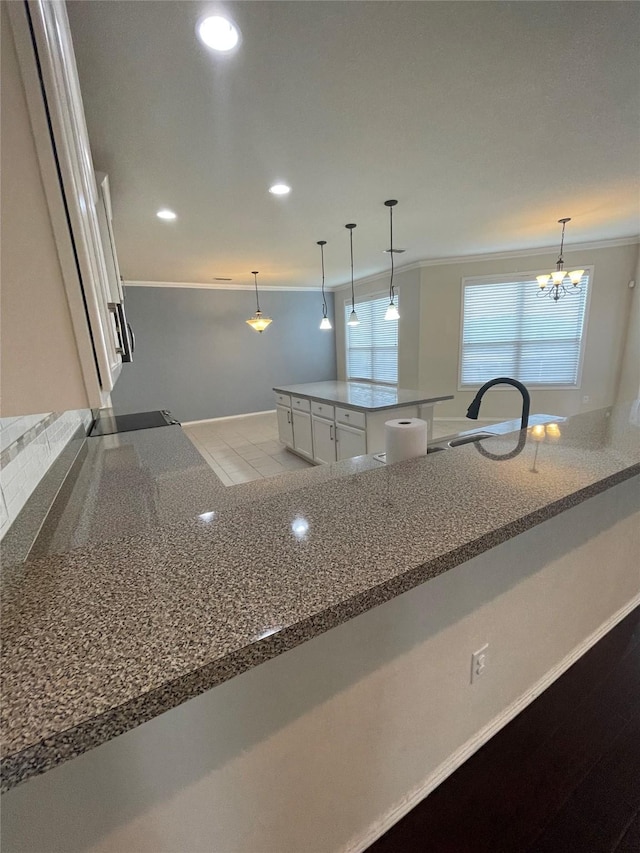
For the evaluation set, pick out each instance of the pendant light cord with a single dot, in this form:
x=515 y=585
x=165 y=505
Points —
x=353 y=297
x=324 y=301
x=255 y=281
x=391 y=291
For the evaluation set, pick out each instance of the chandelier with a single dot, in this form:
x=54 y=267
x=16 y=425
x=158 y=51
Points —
x=257 y=321
x=560 y=281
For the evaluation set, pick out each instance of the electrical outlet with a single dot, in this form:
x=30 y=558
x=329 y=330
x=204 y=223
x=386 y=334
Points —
x=586 y=399
x=479 y=662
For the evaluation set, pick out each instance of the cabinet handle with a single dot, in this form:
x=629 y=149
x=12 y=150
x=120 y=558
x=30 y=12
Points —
x=331 y=432
x=288 y=416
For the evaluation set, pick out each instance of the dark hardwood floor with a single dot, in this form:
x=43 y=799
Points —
x=562 y=777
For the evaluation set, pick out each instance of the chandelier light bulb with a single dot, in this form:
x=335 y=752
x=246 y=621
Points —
x=325 y=323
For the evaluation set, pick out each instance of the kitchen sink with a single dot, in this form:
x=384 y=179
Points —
x=469 y=439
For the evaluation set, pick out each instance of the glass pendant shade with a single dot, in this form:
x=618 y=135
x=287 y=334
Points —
x=576 y=277
x=258 y=321
x=557 y=276
x=543 y=280
x=325 y=323
x=353 y=319
x=392 y=313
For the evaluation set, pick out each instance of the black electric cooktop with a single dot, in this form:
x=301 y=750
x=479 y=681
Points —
x=110 y=424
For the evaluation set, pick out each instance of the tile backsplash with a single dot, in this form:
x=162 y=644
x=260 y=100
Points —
x=29 y=445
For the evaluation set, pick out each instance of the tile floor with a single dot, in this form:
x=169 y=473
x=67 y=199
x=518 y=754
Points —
x=244 y=448
x=247 y=448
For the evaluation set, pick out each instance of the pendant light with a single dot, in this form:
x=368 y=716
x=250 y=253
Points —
x=258 y=322
x=353 y=317
x=559 y=278
x=392 y=311
x=325 y=323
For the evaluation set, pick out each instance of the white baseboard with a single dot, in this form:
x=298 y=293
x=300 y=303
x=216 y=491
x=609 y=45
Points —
x=227 y=418
x=458 y=758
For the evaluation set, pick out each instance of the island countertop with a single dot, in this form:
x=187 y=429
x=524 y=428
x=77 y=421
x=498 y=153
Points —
x=101 y=638
x=362 y=395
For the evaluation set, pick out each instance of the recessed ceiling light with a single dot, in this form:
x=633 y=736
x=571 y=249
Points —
x=218 y=33
x=279 y=189
x=165 y=213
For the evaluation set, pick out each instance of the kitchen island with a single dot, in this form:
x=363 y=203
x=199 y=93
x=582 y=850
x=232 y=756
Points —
x=331 y=421
x=377 y=582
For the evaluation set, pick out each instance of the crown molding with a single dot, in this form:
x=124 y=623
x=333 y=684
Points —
x=491 y=256
x=218 y=285
x=415 y=265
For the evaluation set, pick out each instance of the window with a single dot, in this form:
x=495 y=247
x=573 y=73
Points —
x=509 y=330
x=372 y=347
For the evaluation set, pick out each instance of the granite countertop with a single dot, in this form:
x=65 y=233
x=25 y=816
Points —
x=101 y=637
x=362 y=395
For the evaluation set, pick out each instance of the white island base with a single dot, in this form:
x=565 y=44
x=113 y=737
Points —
x=330 y=421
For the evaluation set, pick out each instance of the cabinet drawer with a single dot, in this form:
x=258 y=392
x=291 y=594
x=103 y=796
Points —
x=301 y=403
x=283 y=399
x=351 y=417
x=323 y=410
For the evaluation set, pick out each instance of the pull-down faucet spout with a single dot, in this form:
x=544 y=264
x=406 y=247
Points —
x=474 y=408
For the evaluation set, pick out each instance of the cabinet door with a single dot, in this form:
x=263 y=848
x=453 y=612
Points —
x=350 y=442
x=324 y=446
x=47 y=61
x=302 y=441
x=285 y=426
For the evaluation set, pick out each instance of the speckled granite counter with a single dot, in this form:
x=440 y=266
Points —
x=361 y=395
x=102 y=638
x=137 y=482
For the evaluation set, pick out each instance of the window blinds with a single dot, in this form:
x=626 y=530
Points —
x=508 y=330
x=372 y=347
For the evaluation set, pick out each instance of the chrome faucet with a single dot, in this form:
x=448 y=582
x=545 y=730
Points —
x=474 y=408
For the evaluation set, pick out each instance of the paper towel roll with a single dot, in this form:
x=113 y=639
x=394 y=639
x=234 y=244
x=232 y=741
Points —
x=405 y=438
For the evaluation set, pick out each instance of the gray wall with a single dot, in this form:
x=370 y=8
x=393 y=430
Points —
x=196 y=356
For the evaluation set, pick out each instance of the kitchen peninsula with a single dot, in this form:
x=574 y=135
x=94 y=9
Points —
x=331 y=421
x=361 y=589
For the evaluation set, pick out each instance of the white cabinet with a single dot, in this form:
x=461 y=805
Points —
x=285 y=425
x=302 y=440
x=324 y=445
x=60 y=343
x=325 y=433
x=350 y=442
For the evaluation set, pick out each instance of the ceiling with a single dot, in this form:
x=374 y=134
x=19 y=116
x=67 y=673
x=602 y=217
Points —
x=487 y=121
